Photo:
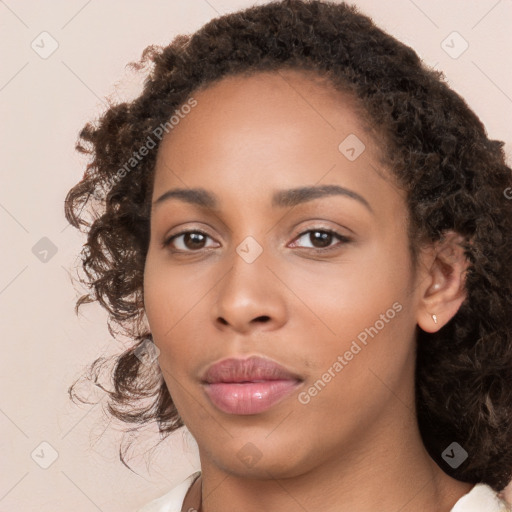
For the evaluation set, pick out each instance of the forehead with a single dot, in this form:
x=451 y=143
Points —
x=269 y=130
x=244 y=105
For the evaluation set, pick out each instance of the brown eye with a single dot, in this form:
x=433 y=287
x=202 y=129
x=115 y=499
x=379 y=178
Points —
x=187 y=241
x=321 y=239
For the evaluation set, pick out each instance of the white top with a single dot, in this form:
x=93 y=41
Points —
x=481 y=498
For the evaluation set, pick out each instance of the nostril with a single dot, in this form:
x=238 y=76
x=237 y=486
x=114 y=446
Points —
x=263 y=318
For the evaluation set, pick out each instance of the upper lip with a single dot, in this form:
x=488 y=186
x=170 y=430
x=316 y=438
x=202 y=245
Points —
x=252 y=369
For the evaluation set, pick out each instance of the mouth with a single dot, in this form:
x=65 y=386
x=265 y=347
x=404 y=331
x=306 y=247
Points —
x=248 y=386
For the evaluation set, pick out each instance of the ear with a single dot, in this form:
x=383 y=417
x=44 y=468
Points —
x=443 y=285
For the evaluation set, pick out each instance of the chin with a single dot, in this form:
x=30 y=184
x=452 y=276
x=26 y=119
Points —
x=262 y=461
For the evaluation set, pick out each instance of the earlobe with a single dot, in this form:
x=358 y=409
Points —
x=444 y=291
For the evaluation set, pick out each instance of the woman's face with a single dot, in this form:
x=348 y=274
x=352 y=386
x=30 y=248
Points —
x=259 y=274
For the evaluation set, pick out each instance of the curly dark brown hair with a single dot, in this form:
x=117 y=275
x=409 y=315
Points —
x=437 y=148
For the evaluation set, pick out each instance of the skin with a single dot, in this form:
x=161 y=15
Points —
x=356 y=444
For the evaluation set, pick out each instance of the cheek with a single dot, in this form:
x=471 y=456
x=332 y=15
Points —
x=176 y=305
x=361 y=312
x=165 y=305
x=351 y=295
x=379 y=277
x=156 y=295
x=170 y=294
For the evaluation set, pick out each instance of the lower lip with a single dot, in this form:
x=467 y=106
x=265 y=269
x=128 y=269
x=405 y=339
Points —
x=249 y=397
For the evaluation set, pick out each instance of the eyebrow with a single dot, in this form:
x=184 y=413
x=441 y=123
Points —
x=280 y=199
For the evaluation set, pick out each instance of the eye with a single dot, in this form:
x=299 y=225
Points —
x=323 y=239
x=189 y=241
x=194 y=240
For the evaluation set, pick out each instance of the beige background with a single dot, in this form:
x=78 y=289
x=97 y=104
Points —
x=44 y=102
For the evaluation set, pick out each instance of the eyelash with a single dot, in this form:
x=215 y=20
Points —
x=343 y=240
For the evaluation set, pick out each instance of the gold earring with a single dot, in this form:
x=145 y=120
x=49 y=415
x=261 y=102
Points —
x=434 y=317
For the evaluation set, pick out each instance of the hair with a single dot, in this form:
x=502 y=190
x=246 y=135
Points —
x=437 y=149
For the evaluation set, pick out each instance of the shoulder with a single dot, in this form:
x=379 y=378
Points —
x=172 y=500
x=481 y=498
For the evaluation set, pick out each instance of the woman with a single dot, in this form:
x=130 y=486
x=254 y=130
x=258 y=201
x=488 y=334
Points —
x=311 y=231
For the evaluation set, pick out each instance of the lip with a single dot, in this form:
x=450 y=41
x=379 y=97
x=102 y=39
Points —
x=248 y=386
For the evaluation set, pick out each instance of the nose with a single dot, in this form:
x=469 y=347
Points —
x=250 y=297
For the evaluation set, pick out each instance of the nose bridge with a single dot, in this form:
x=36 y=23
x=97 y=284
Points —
x=249 y=291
